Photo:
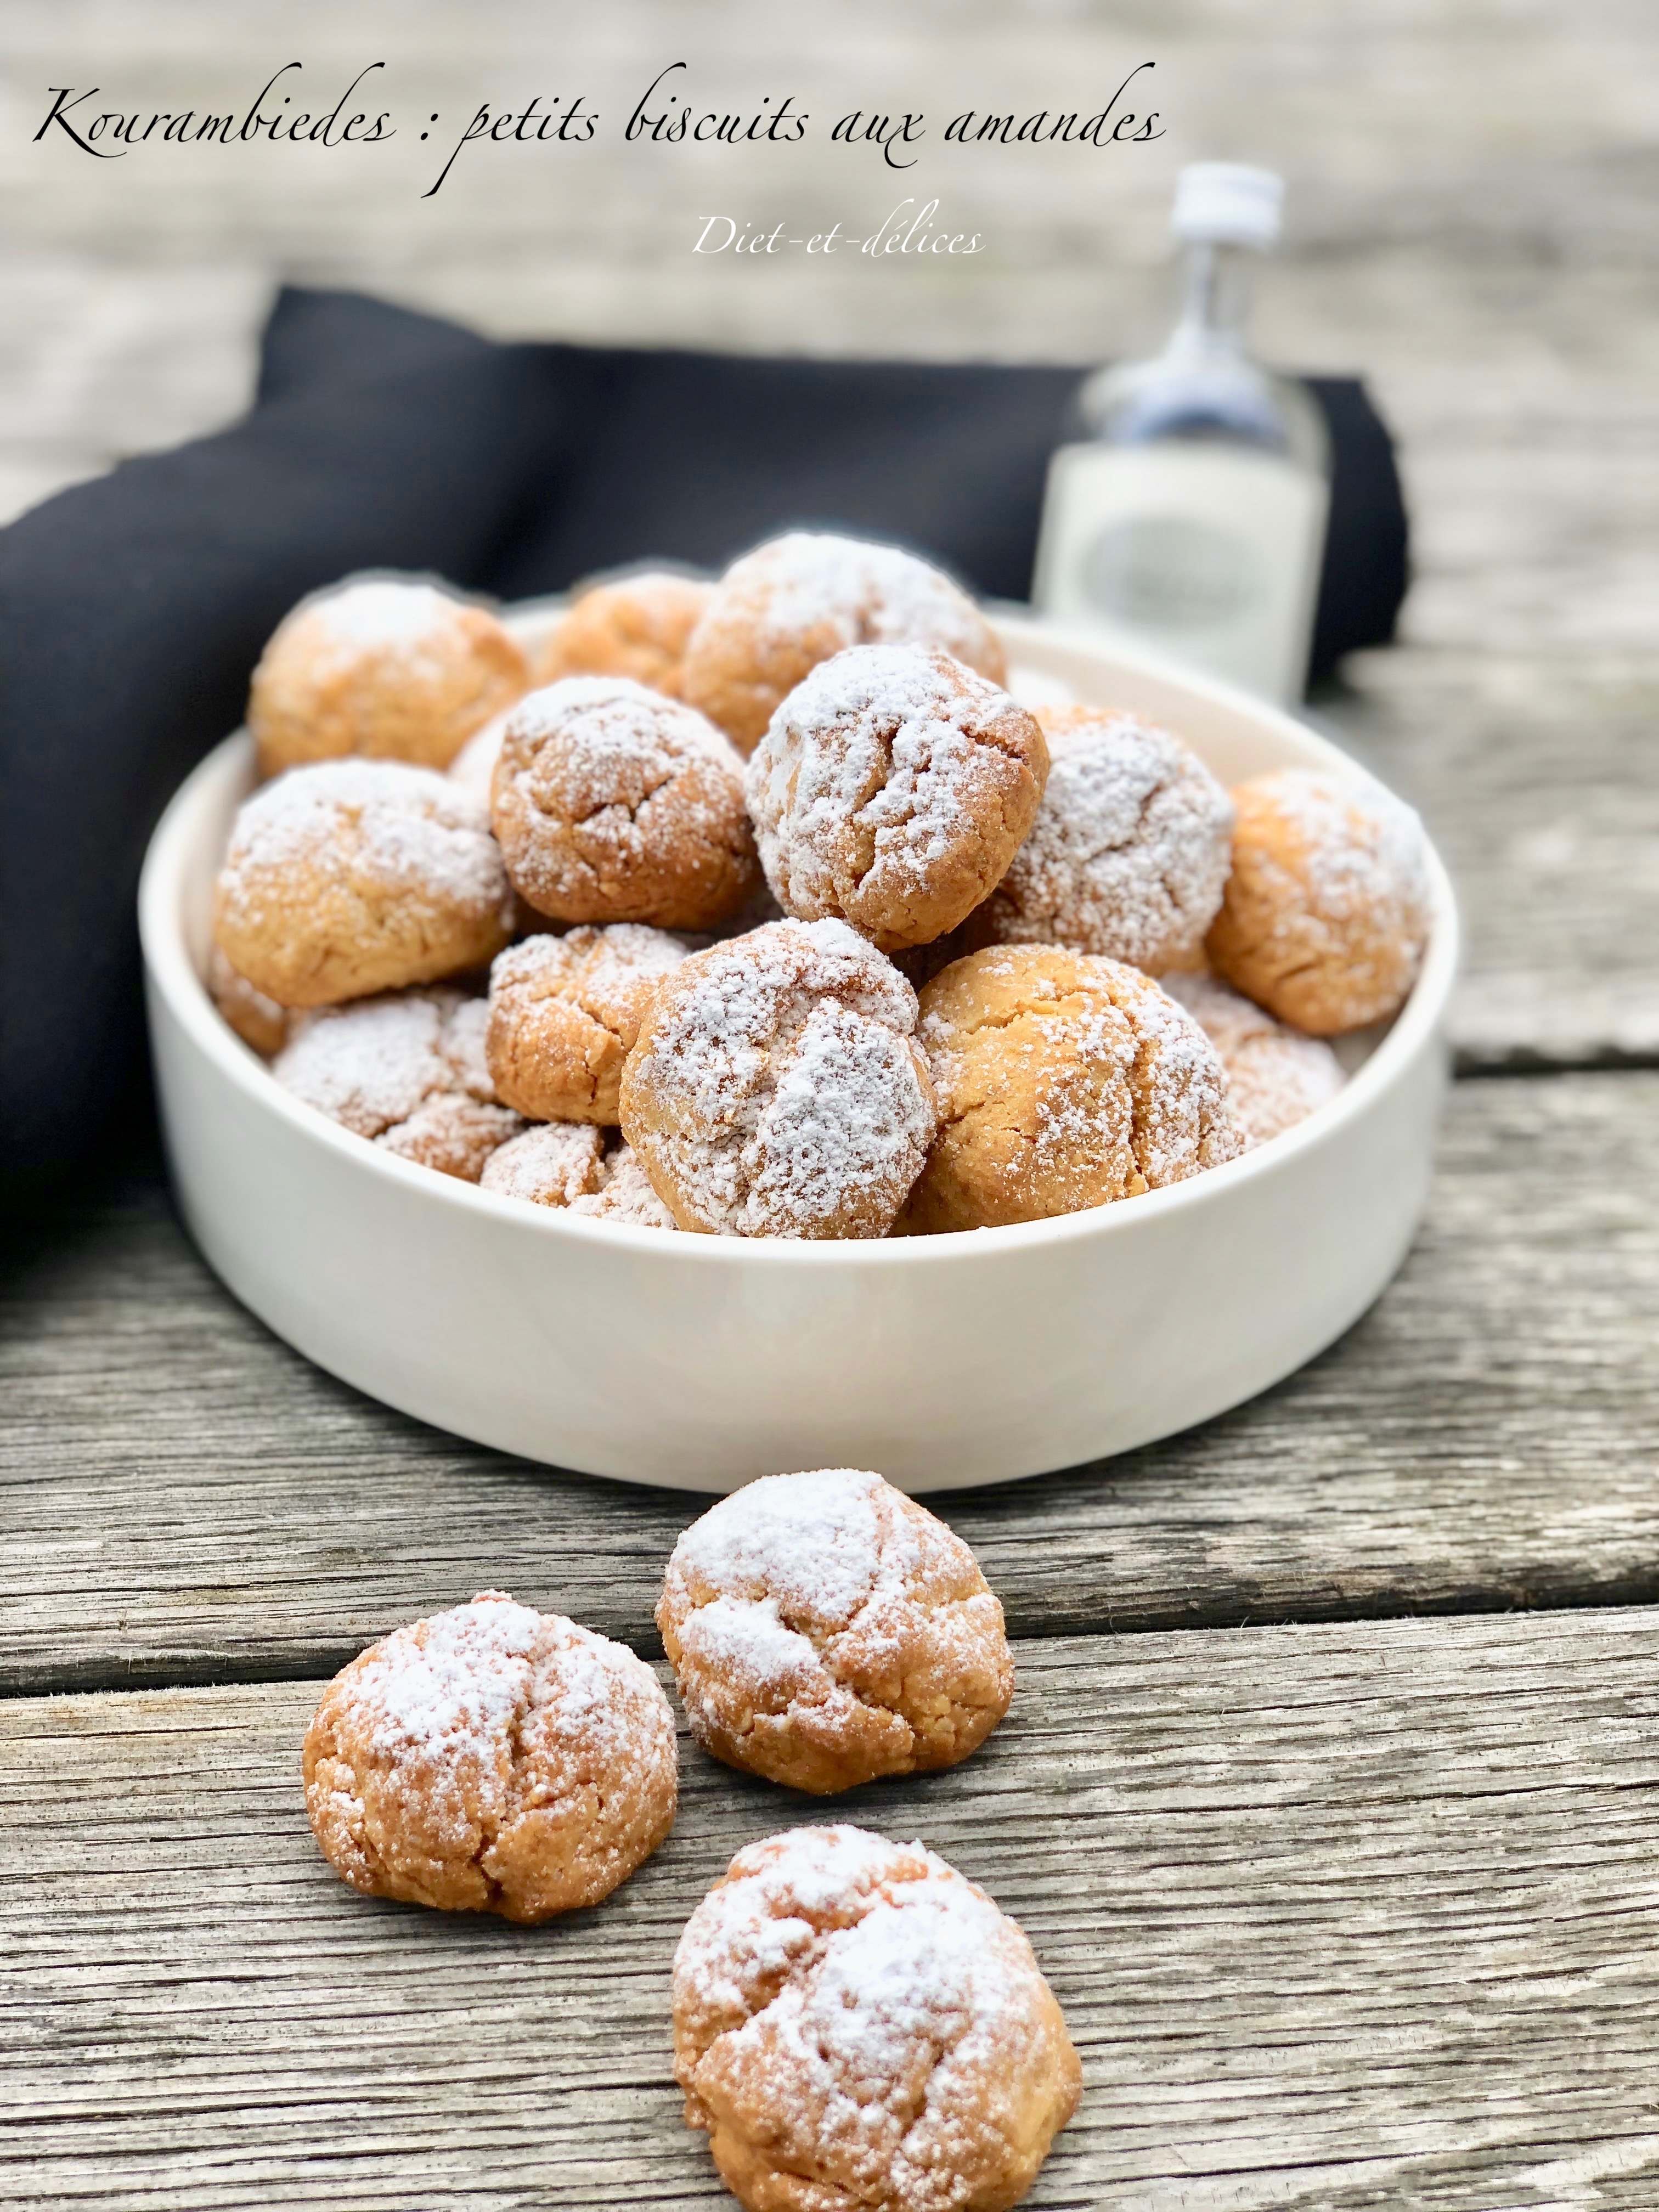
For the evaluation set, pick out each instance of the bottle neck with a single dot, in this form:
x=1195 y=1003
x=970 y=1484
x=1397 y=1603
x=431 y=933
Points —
x=1215 y=300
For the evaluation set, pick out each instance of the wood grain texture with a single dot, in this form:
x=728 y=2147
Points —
x=186 y=1500
x=1339 y=1917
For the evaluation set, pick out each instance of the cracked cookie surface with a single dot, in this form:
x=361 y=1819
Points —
x=1064 y=1081
x=858 y=2029
x=564 y=1013
x=1129 y=852
x=491 y=1759
x=891 y=791
x=826 y=1629
x=615 y=803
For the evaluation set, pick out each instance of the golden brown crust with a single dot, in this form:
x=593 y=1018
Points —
x=826 y=1629
x=1326 y=909
x=258 y=1021
x=564 y=1013
x=613 y=804
x=798 y=600
x=858 y=2028
x=491 y=1759
x=891 y=791
x=389 y=666
x=1064 y=1082
x=356 y=876
x=635 y=626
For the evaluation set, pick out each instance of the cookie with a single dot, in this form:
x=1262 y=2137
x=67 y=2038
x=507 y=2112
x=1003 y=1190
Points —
x=387 y=666
x=857 y=2025
x=356 y=876
x=564 y=1013
x=258 y=1021
x=551 y=1164
x=801 y=598
x=826 y=1629
x=1276 y=1077
x=407 y=1071
x=776 y=1089
x=1129 y=852
x=613 y=804
x=1064 y=1081
x=891 y=791
x=568 y=1164
x=635 y=626
x=491 y=1759
x=624 y=1193
x=1326 y=909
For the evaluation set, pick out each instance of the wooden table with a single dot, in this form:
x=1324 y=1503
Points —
x=1328 y=1797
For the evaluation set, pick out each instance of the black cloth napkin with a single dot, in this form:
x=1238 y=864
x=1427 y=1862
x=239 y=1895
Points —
x=132 y=609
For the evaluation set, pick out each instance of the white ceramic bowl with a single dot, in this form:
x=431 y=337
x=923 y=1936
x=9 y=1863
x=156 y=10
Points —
x=702 y=1361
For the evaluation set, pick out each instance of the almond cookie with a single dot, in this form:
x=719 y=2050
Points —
x=826 y=1629
x=801 y=598
x=776 y=1089
x=635 y=626
x=1275 y=1076
x=407 y=1071
x=891 y=791
x=390 y=666
x=1129 y=852
x=613 y=804
x=564 y=1015
x=1064 y=1081
x=491 y=1759
x=568 y=1164
x=1326 y=909
x=258 y=1021
x=357 y=876
x=857 y=2025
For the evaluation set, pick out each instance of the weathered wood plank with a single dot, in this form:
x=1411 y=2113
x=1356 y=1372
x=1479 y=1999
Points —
x=186 y=1500
x=1339 y=1918
x=1539 y=779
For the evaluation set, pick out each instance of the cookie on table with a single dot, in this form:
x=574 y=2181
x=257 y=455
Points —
x=564 y=1013
x=1326 y=909
x=1130 y=850
x=613 y=804
x=1276 y=1076
x=856 y=2024
x=1064 y=1081
x=491 y=1759
x=389 y=666
x=776 y=1089
x=258 y=1021
x=570 y=1165
x=893 y=790
x=359 y=876
x=635 y=626
x=407 y=1071
x=826 y=1629
x=803 y=598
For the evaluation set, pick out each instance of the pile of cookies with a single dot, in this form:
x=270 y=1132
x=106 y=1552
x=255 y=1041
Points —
x=795 y=921
x=854 y=2022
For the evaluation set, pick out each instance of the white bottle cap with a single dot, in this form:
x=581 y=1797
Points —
x=1228 y=204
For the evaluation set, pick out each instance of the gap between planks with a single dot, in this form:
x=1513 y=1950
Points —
x=1340 y=1917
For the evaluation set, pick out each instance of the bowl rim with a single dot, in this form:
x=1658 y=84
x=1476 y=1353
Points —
x=172 y=973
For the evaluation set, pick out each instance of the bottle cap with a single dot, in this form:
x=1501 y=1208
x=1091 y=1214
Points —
x=1228 y=204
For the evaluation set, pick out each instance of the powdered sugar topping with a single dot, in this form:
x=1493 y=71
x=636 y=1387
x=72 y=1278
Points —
x=774 y=1086
x=1129 y=854
x=807 y=581
x=1360 y=850
x=371 y=1064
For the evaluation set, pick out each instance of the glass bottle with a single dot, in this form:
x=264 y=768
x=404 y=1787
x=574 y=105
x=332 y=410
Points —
x=1187 y=518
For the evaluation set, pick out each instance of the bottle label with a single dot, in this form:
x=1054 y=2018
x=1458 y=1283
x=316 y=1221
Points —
x=1196 y=552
